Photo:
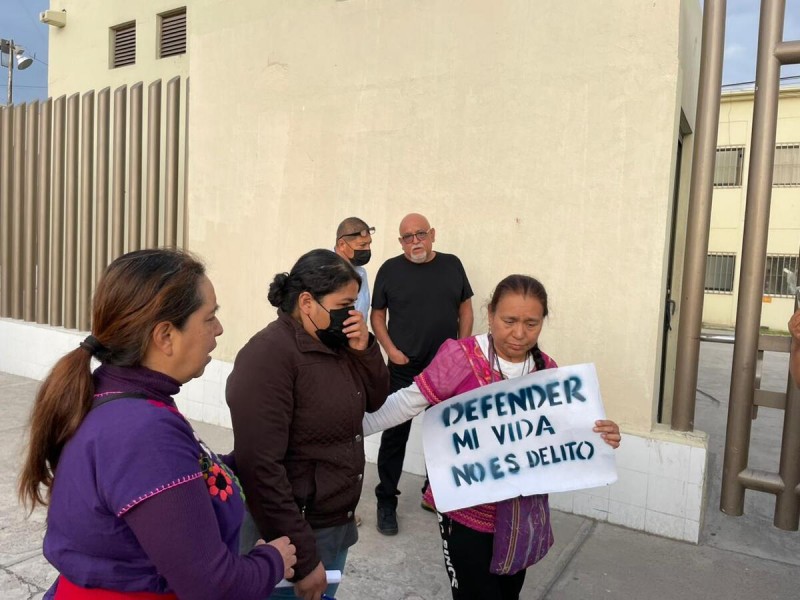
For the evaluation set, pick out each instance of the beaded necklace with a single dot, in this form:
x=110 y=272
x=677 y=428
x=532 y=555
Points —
x=494 y=360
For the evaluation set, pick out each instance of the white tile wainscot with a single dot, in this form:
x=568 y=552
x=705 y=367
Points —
x=661 y=487
x=31 y=350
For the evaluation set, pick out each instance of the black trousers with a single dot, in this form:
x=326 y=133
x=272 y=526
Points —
x=392 y=452
x=467 y=556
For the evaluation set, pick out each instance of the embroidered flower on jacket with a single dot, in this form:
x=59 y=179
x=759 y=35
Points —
x=219 y=482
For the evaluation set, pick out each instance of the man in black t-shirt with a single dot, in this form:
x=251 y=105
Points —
x=428 y=300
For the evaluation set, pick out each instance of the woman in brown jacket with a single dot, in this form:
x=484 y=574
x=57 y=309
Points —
x=297 y=395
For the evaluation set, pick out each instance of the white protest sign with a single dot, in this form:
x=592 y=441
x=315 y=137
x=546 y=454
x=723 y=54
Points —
x=518 y=437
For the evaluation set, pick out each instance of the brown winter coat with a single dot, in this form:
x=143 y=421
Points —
x=296 y=408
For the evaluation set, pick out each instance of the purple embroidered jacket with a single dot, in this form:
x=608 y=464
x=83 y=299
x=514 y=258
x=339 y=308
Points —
x=130 y=452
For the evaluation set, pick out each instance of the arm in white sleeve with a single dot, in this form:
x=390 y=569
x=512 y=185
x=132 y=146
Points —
x=399 y=407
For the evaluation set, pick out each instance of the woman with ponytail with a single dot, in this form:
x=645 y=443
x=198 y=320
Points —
x=516 y=314
x=138 y=506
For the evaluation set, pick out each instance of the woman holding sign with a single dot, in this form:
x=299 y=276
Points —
x=484 y=557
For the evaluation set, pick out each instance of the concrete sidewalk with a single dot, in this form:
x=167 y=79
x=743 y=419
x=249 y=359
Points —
x=738 y=557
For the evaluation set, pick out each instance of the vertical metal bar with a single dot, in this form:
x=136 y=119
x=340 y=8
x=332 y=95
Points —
x=43 y=211
x=101 y=182
x=153 y=163
x=184 y=199
x=118 y=173
x=754 y=249
x=135 y=171
x=699 y=220
x=171 y=168
x=17 y=222
x=787 y=502
x=57 y=203
x=29 y=216
x=87 y=206
x=71 y=215
x=6 y=169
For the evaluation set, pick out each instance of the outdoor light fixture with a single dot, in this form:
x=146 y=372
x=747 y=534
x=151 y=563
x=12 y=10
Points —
x=10 y=53
x=23 y=62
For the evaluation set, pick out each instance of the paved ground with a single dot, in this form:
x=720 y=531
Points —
x=738 y=557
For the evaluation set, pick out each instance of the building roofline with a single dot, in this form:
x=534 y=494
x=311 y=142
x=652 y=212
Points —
x=749 y=94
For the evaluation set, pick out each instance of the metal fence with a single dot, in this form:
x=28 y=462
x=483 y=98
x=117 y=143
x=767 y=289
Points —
x=80 y=184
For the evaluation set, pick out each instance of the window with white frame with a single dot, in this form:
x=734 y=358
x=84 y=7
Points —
x=719 y=272
x=787 y=165
x=777 y=267
x=172 y=33
x=123 y=45
x=728 y=167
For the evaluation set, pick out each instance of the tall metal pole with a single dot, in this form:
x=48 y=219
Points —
x=10 y=72
x=699 y=221
x=754 y=249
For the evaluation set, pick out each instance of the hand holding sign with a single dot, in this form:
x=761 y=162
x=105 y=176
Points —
x=529 y=435
x=609 y=431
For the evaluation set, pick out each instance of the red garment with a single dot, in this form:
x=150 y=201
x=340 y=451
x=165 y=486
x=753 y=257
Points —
x=67 y=590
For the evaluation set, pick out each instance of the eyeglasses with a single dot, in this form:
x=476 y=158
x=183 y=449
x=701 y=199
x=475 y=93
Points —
x=420 y=235
x=363 y=233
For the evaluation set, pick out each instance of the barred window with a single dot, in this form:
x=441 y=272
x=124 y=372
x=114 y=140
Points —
x=123 y=45
x=172 y=33
x=728 y=167
x=787 y=165
x=719 y=272
x=775 y=283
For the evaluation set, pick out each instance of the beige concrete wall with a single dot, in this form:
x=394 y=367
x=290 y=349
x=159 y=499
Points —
x=536 y=138
x=729 y=204
x=79 y=53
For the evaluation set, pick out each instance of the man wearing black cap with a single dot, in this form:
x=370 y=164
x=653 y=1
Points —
x=353 y=239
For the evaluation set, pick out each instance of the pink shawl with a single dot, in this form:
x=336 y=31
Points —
x=460 y=366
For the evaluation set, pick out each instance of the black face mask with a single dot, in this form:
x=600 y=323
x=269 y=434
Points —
x=361 y=257
x=333 y=336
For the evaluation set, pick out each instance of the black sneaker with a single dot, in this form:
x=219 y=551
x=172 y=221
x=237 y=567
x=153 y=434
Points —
x=387 y=520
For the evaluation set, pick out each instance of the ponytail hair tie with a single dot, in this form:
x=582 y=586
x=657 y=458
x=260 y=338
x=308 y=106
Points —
x=93 y=346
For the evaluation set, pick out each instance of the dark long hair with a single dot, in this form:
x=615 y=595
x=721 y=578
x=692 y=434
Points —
x=523 y=285
x=137 y=291
x=318 y=272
